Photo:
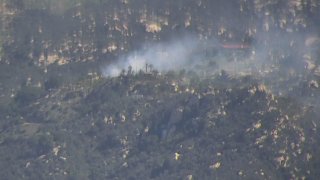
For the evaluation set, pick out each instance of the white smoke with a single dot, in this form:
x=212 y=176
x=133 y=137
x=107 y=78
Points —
x=268 y=54
x=174 y=55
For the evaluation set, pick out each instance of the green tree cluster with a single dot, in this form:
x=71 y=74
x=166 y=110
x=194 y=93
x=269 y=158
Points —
x=56 y=6
x=28 y=94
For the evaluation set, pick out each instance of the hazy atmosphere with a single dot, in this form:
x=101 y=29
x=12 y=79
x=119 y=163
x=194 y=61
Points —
x=159 y=89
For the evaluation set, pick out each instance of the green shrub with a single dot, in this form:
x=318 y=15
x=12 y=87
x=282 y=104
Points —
x=28 y=94
x=52 y=83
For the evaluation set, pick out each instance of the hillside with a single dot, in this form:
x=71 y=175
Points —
x=159 y=89
x=162 y=127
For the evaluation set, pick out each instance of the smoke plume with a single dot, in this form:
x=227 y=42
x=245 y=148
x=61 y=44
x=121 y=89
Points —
x=164 y=56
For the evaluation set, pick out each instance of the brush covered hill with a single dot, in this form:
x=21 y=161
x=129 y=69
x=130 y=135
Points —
x=43 y=32
x=153 y=126
x=61 y=119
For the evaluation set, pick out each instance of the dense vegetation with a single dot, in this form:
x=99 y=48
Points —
x=159 y=127
x=60 y=118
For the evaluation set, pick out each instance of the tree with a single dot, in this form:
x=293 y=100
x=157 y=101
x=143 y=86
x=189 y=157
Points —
x=15 y=4
x=28 y=94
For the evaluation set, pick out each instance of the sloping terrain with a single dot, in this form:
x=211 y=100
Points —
x=150 y=126
x=243 y=105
